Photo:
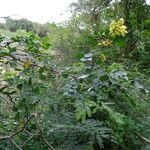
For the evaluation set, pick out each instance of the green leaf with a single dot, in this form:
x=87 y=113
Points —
x=117 y=117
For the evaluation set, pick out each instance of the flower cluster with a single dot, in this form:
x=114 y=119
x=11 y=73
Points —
x=27 y=64
x=102 y=57
x=106 y=43
x=118 y=28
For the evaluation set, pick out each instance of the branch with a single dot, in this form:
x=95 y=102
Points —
x=41 y=131
x=3 y=88
x=144 y=139
x=6 y=102
x=47 y=142
x=35 y=65
x=10 y=98
x=17 y=132
x=32 y=136
x=16 y=144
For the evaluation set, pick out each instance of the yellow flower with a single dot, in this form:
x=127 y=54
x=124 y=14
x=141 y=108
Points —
x=27 y=64
x=102 y=58
x=3 y=61
x=118 y=28
x=106 y=43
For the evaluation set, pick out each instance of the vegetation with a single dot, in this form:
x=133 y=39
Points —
x=79 y=85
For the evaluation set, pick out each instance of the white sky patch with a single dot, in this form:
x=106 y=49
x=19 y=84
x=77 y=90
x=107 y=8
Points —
x=41 y=11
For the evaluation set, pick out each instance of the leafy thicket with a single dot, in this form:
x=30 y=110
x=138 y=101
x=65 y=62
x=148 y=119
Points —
x=82 y=85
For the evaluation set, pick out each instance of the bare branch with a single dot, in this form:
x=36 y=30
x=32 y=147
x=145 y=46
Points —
x=47 y=142
x=32 y=136
x=7 y=102
x=17 y=132
x=16 y=144
x=144 y=139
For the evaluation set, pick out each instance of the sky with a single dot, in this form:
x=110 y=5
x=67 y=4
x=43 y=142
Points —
x=41 y=11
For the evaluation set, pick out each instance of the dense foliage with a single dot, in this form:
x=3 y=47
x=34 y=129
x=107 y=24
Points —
x=80 y=85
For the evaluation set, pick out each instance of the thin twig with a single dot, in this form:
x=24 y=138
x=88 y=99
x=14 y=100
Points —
x=15 y=144
x=41 y=131
x=144 y=139
x=6 y=102
x=17 y=132
x=47 y=142
x=31 y=137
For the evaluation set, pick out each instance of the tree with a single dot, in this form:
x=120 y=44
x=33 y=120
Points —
x=40 y=29
x=14 y=25
x=91 y=11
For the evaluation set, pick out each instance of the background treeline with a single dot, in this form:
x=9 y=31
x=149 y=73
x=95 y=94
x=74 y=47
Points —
x=89 y=20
